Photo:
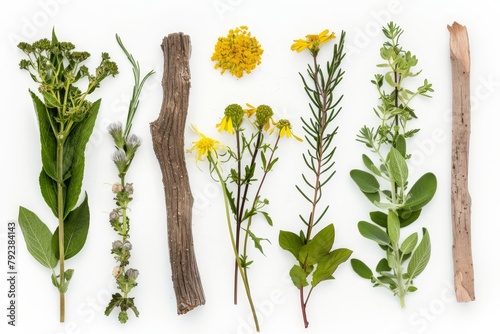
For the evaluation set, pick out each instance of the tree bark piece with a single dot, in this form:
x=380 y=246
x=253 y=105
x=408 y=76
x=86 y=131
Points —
x=168 y=143
x=461 y=201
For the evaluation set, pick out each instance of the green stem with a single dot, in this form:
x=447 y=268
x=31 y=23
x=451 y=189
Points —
x=244 y=278
x=60 y=209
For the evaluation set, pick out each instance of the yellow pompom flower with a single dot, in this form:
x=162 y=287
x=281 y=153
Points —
x=233 y=116
x=205 y=146
x=238 y=53
x=312 y=42
x=285 y=129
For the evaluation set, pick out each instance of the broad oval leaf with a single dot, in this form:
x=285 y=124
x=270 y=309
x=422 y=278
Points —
x=379 y=218
x=421 y=256
x=383 y=266
x=291 y=242
x=422 y=192
x=361 y=269
x=366 y=182
x=408 y=217
x=409 y=244
x=76 y=227
x=319 y=246
x=374 y=233
x=401 y=145
x=37 y=237
x=298 y=276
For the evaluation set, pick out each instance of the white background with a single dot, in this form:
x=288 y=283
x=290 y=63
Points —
x=345 y=305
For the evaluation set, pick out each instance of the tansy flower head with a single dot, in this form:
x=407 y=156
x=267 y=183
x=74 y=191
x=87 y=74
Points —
x=237 y=53
x=285 y=129
x=263 y=116
x=312 y=42
x=233 y=116
x=205 y=146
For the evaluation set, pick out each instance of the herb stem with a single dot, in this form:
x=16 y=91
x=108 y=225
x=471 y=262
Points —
x=60 y=209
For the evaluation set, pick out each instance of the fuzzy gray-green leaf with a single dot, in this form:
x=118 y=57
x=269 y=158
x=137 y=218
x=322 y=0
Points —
x=361 y=269
x=422 y=192
x=374 y=233
x=421 y=256
x=409 y=244
x=398 y=167
x=366 y=182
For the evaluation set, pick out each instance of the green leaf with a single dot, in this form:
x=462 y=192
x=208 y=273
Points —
x=361 y=269
x=299 y=276
x=116 y=300
x=398 y=167
x=76 y=227
x=401 y=145
x=382 y=266
x=267 y=217
x=408 y=217
x=38 y=238
x=50 y=100
x=366 y=182
x=421 y=256
x=379 y=218
x=319 y=246
x=328 y=264
x=409 y=244
x=370 y=165
x=291 y=242
x=393 y=228
x=48 y=187
x=374 y=233
x=422 y=192
x=257 y=241
x=389 y=79
x=48 y=140
x=76 y=143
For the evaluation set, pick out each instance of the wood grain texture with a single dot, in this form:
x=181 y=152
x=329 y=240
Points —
x=460 y=197
x=168 y=143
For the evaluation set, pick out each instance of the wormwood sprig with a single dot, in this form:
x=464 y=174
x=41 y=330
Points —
x=316 y=260
x=250 y=162
x=399 y=207
x=126 y=145
x=66 y=120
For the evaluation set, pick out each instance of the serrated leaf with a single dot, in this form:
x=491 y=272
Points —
x=421 y=256
x=298 y=276
x=374 y=233
x=328 y=264
x=38 y=238
x=76 y=227
x=393 y=228
x=291 y=242
x=319 y=246
x=422 y=192
x=409 y=244
x=115 y=301
x=361 y=269
x=398 y=167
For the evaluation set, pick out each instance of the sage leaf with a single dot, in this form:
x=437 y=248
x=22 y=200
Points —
x=370 y=165
x=361 y=269
x=383 y=266
x=374 y=233
x=291 y=242
x=366 y=182
x=38 y=238
x=421 y=256
x=76 y=227
x=379 y=218
x=398 y=167
x=409 y=244
x=328 y=264
x=401 y=145
x=422 y=192
x=393 y=228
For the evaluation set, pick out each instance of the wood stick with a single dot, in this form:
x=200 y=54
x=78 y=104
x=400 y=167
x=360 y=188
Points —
x=168 y=143
x=461 y=201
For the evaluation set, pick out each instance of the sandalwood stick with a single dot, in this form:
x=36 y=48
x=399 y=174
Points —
x=168 y=143
x=461 y=201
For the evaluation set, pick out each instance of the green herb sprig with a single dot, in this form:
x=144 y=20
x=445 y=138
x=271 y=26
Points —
x=398 y=206
x=317 y=261
x=66 y=120
x=126 y=145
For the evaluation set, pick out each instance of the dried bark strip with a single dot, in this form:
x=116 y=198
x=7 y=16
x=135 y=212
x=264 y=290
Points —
x=461 y=201
x=168 y=143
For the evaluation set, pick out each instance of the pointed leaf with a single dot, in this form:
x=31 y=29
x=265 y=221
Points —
x=361 y=269
x=291 y=242
x=48 y=187
x=374 y=233
x=401 y=145
x=393 y=228
x=38 y=238
x=50 y=100
x=298 y=276
x=421 y=256
x=370 y=165
x=76 y=227
x=398 y=167
x=409 y=244
x=383 y=266
x=320 y=245
x=257 y=241
x=328 y=264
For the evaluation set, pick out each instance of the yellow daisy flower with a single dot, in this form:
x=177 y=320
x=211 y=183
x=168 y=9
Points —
x=312 y=42
x=285 y=128
x=205 y=146
x=250 y=110
x=226 y=124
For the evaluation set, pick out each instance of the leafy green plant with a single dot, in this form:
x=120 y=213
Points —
x=66 y=120
x=317 y=261
x=399 y=205
x=126 y=145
